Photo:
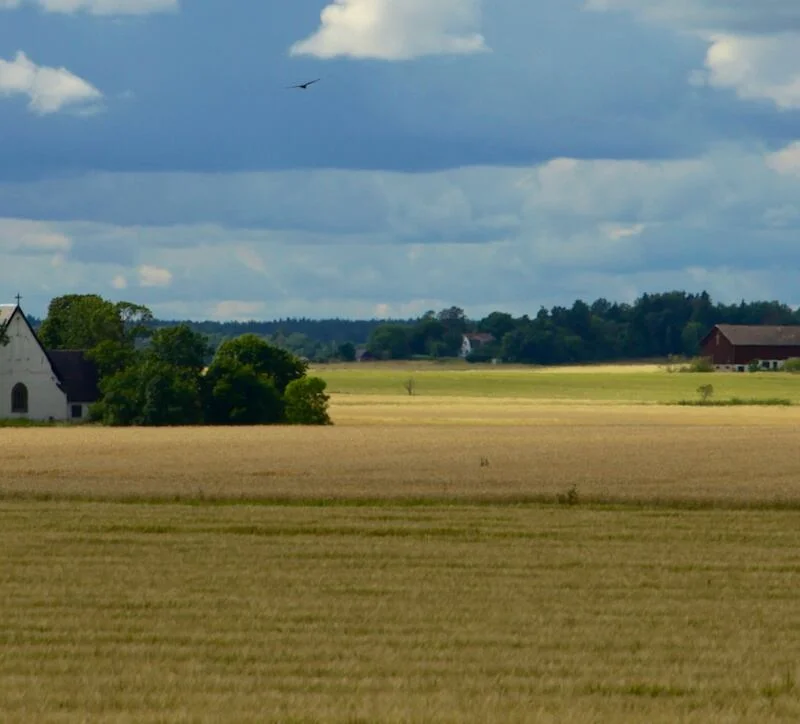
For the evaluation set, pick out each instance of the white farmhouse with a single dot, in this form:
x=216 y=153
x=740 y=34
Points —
x=40 y=384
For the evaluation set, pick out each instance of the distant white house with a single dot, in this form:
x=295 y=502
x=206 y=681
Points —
x=40 y=384
x=471 y=342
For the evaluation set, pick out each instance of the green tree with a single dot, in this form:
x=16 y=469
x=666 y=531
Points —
x=180 y=347
x=135 y=319
x=149 y=392
x=690 y=338
x=306 y=402
x=390 y=341
x=237 y=394
x=453 y=319
x=426 y=336
x=347 y=352
x=498 y=324
x=265 y=359
x=80 y=321
x=111 y=357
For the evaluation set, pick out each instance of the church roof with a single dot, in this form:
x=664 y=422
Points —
x=78 y=375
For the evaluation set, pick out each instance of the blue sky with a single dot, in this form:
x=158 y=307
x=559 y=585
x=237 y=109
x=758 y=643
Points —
x=493 y=155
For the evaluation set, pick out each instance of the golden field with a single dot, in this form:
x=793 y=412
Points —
x=412 y=447
x=375 y=570
x=171 y=613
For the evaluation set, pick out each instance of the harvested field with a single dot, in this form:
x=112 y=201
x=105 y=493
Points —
x=162 y=613
x=382 y=450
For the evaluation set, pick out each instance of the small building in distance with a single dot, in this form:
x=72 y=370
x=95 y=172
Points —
x=40 y=384
x=732 y=347
x=364 y=355
x=474 y=341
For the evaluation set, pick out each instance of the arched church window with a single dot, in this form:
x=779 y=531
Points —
x=19 y=398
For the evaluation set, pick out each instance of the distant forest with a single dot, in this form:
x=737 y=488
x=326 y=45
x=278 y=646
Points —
x=653 y=326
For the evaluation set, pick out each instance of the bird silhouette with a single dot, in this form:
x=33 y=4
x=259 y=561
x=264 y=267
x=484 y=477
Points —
x=305 y=85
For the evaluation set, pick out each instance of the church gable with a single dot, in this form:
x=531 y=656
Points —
x=37 y=383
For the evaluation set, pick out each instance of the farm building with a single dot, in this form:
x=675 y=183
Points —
x=732 y=347
x=471 y=342
x=40 y=384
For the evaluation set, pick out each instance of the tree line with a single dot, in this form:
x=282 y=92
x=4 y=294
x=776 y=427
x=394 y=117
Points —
x=170 y=375
x=653 y=326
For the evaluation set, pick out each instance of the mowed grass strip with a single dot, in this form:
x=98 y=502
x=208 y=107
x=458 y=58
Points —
x=633 y=454
x=141 y=613
x=634 y=384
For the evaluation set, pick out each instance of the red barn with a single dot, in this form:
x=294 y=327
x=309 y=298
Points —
x=735 y=346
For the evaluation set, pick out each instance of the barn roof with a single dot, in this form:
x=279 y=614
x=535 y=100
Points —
x=78 y=375
x=761 y=335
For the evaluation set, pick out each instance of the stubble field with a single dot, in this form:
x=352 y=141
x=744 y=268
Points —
x=613 y=561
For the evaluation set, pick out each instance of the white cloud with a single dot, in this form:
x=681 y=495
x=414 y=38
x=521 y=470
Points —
x=753 y=47
x=392 y=30
x=49 y=89
x=757 y=68
x=615 y=232
x=98 y=7
x=21 y=236
x=785 y=161
x=119 y=282
x=153 y=276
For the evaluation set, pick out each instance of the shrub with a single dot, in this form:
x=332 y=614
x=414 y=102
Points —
x=306 y=402
x=792 y=365
x=699 y=364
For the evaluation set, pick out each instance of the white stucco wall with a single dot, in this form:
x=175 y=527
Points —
x=23 y=360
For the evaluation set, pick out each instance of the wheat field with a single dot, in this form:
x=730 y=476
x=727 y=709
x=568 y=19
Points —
x=259 y=613
x=428 y=558
x=402 y=448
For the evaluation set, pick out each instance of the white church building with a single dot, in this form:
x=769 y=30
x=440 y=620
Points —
x=40 y=384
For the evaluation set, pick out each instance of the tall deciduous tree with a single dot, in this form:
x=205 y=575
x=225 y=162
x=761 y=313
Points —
x=265 y=359
x=180 y=347
x=81 y=321
x=237 y=394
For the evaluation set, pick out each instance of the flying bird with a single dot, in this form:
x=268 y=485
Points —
x=305 y=85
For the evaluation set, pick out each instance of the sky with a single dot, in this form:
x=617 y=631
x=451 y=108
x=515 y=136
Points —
x=489 y=154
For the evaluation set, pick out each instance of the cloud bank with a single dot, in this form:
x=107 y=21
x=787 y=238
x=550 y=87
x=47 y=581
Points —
x=391 y=30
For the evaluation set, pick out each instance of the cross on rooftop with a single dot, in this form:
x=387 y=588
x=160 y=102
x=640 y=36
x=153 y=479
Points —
x=18 y=297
